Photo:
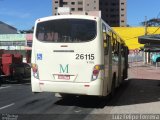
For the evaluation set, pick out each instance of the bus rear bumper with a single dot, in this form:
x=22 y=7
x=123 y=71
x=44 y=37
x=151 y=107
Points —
x=93 y=88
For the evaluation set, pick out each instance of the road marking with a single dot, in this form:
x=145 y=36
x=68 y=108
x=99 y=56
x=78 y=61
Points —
x=7 y=106
x=4 y=87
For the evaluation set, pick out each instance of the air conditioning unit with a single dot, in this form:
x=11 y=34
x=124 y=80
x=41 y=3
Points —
x=63 y=10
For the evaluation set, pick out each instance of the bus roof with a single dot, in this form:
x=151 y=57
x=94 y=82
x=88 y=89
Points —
x=67 y=16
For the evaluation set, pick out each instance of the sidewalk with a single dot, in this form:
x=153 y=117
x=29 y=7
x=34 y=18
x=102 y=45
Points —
x=138 y=70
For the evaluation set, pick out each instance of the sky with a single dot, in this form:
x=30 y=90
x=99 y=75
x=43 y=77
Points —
x=22 y=13
x=138 y=9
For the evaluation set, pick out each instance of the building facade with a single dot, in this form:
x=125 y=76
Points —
x=7 y=29
x=112 y=11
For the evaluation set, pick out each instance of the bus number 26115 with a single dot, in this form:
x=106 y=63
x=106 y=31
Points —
x=85 y=57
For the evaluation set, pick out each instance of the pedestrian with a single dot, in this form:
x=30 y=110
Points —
x=0 y=75
x=0 y=80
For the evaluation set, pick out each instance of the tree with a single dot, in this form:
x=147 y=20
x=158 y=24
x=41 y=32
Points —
x=26 y=31
x=152 y=22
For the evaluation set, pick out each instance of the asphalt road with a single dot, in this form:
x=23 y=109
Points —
x=135 y=96
x=140 y=94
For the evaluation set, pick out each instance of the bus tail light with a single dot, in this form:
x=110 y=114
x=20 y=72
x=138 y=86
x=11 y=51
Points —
x=35 y=70
x=96 y=71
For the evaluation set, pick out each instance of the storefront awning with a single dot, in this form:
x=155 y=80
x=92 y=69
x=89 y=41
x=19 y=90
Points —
x=149 y=39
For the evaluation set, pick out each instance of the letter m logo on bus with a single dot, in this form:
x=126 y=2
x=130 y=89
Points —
x=64 y=69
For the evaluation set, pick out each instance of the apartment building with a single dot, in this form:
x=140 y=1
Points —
x=112 y=11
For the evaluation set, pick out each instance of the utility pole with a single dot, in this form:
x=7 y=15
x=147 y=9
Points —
x=145 y=53
x=145 y=25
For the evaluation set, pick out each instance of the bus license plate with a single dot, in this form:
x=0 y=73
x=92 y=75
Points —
x=66 y=77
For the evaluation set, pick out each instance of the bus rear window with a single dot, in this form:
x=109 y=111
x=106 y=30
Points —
x=66 y=30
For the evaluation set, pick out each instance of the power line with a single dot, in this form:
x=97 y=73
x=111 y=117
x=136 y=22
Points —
x=146 y=25
x=146 y=29
x=155 y=30
x=139 y=35
x=158 y=27
x=132 y=38
x=158 y=15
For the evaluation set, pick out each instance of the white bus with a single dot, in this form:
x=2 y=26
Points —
x=77 y=54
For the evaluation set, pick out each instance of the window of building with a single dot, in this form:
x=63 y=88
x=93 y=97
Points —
x=111 y=10
x=113 y=21
x=122 y=3
x=56 y=1
x=94 y=1
x=122 y=21
x=94 y=7
x=122 y=9
x=106 y=4
x=73 y=9
x=113 y=16
x=80 y=9
x=122 y=15
x=65 y=3
x=73 y=3
x=55 y=8
x=113 y=4
x=87 y=4
x=80 y=3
